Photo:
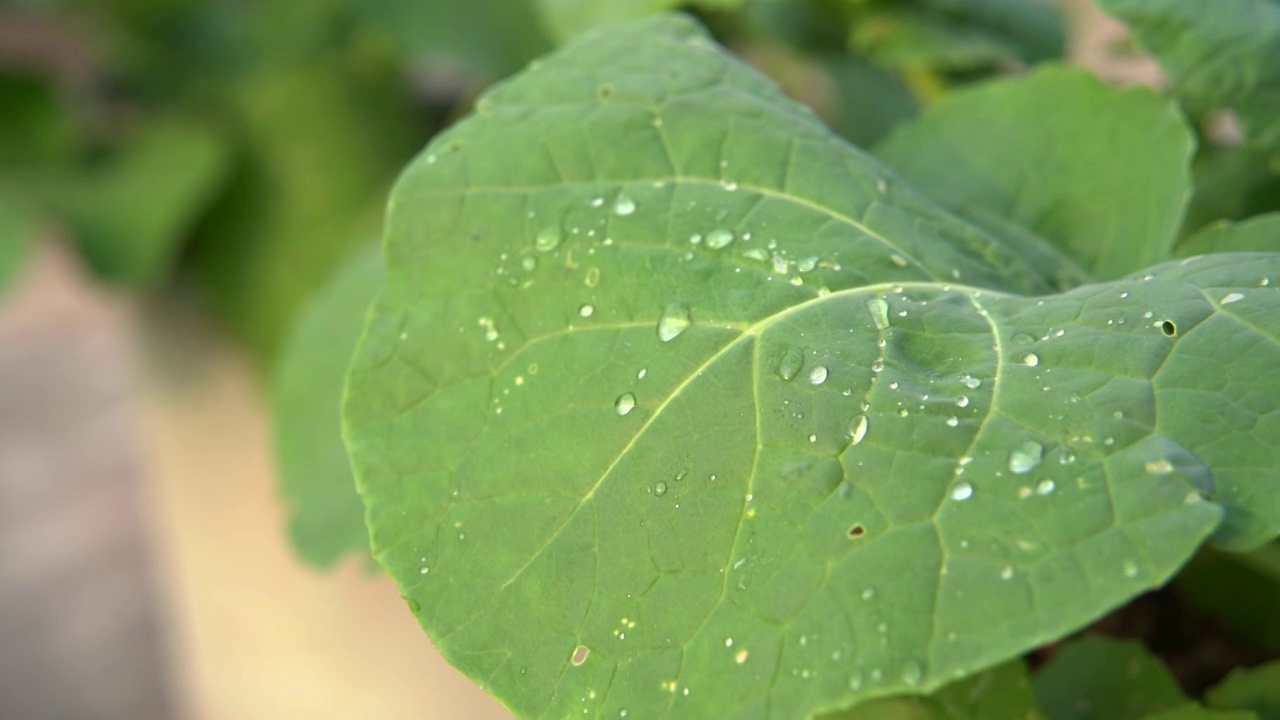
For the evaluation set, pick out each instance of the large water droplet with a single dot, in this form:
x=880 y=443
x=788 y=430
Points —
x=858 y=429
x=674 y=320
x=790 y=362
x=818 y=375
x=1026 y=457
x=625 y=403
x=660 y=489
x=961 y=491
x=719 y=238
x=547 y=239
x=879 y=312
x=623 y=205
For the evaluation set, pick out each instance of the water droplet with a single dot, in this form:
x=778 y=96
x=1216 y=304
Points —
x=1031 y=360
x=953 y=421
x=625 y=403
x=759 y=254
x=740 y=657
x=868 y=594
x=855 y=681
x=718 y=238
x=529 y=263
x=970 y=381
x=592 y=278
x=903 y=412
x=580 y=654
x=961 y=491
x=587 y=311
x=790 y=362
x=807 y=264
x=818 y=375
x=547 y=239
x=675 y=320
x=1231 y=297
x=858 y=429
x=898 y=260
x=640 y=375
x=695 y=239
x=813 y=438
x=1130 y=569
x=879 y=312
x=1159 y=467
x=623 y=205
x=1044 y=487
x=912 y=673
x=1026 y=457
x=660 y=489
x=728 y=642
x=1006 y=573
x=597 y=202
x=962 y=401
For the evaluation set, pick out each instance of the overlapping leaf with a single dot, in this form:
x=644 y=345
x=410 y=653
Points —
x=674 y=403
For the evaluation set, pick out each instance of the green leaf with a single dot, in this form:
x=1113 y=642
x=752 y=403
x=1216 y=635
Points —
x=1097 y=678
x=1105 y=176
x=1228 y=58
x=314 y=471
x=1231 y=184
x=568 y=18
x=130 y=215
x=867 y=123
x=672 y=395
x=1002 y=693
x=1256 y=689
x=18 y=228
x=1258 y=233
x=1194 y=711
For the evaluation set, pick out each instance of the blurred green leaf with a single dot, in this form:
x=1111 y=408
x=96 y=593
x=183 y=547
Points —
x=567 y=18
x=1225 y=58
x=1195 y=711
x=36 y=128
x=1002 y=693
x=1097 y=678
x=131 y=213
x=1259 y=233
x=1231 y=183
x=1256 y=689
x=314 y=472
x=1111 y=200
x=871 y=102
x=321 y=143
x=1240 y=590
x=18 y=228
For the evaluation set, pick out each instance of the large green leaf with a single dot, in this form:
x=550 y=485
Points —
x=1105 y=176
x=1096 y=678
x=1002 y=693
x=314 y=472
x=1227 y=58
x=567 y=18
x=1248 y=608
x=1256 y=689
x=675 y=403
x=130 y=215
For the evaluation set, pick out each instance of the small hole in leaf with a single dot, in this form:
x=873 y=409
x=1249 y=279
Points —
x=580 y=654
x=857 y=531
x=1168 y=328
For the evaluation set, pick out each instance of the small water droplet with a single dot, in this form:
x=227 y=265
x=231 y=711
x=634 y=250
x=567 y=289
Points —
x=818 y=375
x=855 y=681
x=953 y=421
x=580 y=654
x=1006 y=572
x=592 y=278
x=961 y=491
x=790 y=362
x=674 y=320
x=695 y=239
x=1044 y=487
x=858 y=429
x=1031 y=360
x=1026 y=457
x=1159 y=467
x=529 y=263
x=660 y=489
x=547 y=239
x=898 y=260
x=740 y=657
x=586 y=311
x=718 y=238
x=807 y=264
x=623 y=205
x=962 y=401
x=758 y=254
x=970 y=381
x=1130 y=569
x=640 y=375
x=625 y=403
x=1231 y=297
x=912 y=673
x=903 y=412
x=813 y=438
x=868 y=594
x=879 y=312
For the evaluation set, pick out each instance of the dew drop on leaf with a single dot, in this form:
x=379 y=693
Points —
x=586 y=311
x=660 y=489
x=674 y=320
x=1231 y=297
x=625 y=403
x=953 y=421
x=1159 y=467
x=912 y=673
x=790 y=362
x=879 y=312
x=1026 y=457
x=962 y=401
x=1031 y=360
x=529 y=263
x=740 y=657
x=623 y=205
x=718 y=238
x=547 y=239
x=1044 y=487
x=858 y=429
x=807 y=264
x=970 y=381
x=961 y=491
x=818 y=375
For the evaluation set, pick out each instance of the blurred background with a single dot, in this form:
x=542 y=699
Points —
x=178 y=178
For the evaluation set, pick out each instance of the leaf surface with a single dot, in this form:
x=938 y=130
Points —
x=1258 y=233
x=1105 y=176
x=1228 y=58
x=675 y=403
x=1256 y=689
x=315 y=474
x=1097 y=678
